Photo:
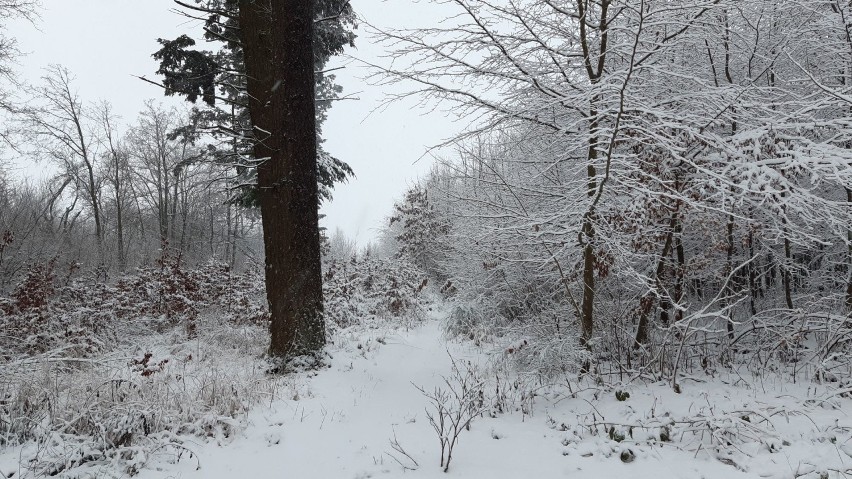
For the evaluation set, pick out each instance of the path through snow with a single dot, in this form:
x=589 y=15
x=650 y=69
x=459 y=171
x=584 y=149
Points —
x=341 y=424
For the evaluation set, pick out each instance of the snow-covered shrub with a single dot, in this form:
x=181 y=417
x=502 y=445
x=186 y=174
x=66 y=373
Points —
x=93 y=373
x=72 y=412
x=518 y=310
x=454 y=405
x=87 y=314
x=36 y=288
x=470 y=320
x=545 y=346
x=371 y=288
x=243 y=301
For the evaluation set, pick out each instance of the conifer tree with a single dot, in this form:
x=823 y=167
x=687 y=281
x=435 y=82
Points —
x=276 y=38
x=216 y=82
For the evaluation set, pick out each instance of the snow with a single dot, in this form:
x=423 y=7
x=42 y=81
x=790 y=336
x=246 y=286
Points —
x=339 y=423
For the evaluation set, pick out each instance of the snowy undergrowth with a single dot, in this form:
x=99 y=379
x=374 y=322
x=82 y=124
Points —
x=368 y=416
x=156 y=386
x=770 y=429
x=110 y=414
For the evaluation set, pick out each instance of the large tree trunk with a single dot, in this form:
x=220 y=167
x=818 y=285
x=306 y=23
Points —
x=277 y=43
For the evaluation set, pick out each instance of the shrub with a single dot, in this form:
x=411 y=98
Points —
x=36 y=288
x=371 y=288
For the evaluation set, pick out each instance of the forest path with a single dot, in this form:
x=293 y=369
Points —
x=338 y=425
x=344 y=418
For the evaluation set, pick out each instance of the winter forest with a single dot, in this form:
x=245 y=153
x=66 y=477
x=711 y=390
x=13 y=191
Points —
x=631 y=258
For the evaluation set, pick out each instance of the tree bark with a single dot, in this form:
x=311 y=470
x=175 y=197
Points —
x=119 y=211
x=118 y=170
x=752 y=277
x=787 y=277
x=647 y=301
x=849 y=258
x=729 y=268
x=588 y=284
x=681 y=270
x=277 y=40
x=594 y=63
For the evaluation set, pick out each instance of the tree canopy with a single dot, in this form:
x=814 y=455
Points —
x=215 y=81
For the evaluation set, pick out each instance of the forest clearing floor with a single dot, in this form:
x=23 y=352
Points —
x=365 y=416
x=346 y=417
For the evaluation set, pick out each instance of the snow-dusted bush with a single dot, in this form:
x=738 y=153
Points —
x=518 y=311
x=544 y=347
x=368 y=288
x=120 y=408
x=454 y=405
x=87 y=315
x=95 y=374
x=470 y=320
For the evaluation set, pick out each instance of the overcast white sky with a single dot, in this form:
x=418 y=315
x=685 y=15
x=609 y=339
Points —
x=106 y=42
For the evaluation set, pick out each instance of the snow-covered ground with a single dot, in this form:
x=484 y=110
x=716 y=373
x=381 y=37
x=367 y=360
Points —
x=340 y=423
x=367 y=416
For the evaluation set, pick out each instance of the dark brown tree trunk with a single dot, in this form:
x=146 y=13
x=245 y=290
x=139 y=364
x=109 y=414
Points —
x=588 y=284
x=681 y=270
x=729 y=280
x=787 y=277
x=96 y=209
x=752 y=276
x=595 y=63
x=173 y=208
x=648 y=299
x=277 y=43
x=588 y=234
x=119 y=214
x=587 y=307
x=665 y=299
x=849 y=259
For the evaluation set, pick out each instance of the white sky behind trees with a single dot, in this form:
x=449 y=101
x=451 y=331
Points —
x=105 y=43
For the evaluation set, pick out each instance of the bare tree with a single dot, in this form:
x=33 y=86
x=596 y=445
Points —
x=611 y=172
x=572 y=71
x=62 y=130
x=11 y=9
x=117 y=175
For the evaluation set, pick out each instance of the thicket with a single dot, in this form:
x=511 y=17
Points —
x=644 y=188
x=97 y=374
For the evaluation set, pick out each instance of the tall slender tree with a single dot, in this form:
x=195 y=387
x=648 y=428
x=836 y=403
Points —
x=60 y=125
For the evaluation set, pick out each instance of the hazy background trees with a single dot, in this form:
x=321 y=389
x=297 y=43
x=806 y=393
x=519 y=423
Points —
x=119 y=192
x=12 y=9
